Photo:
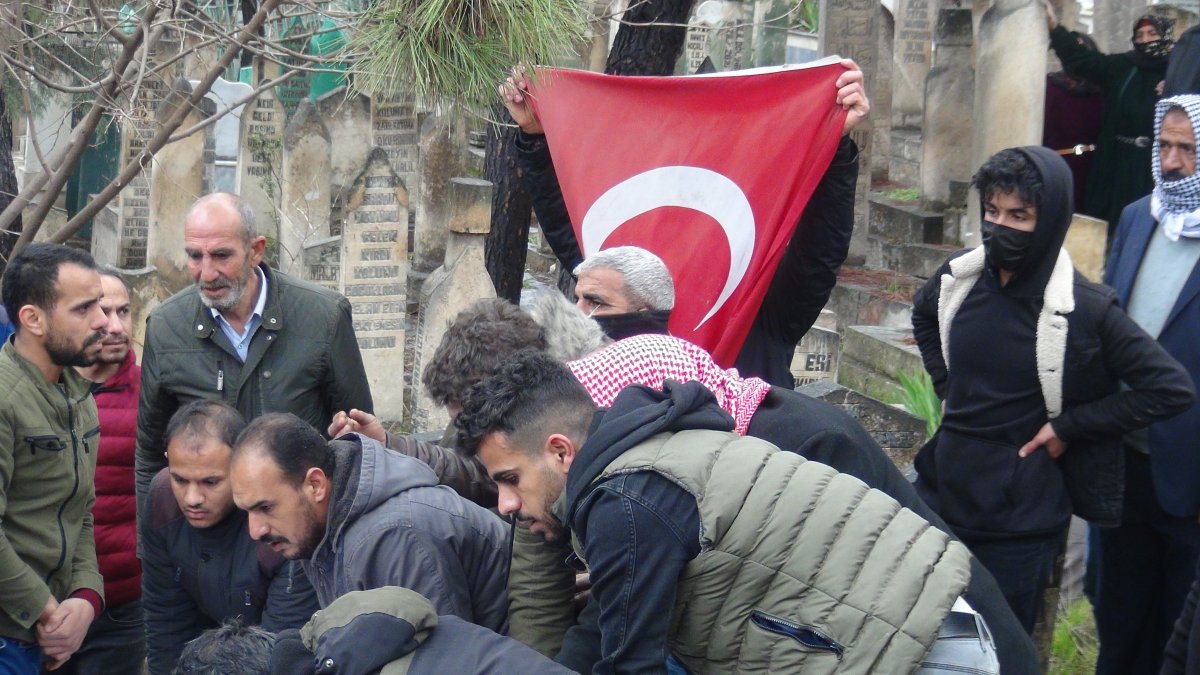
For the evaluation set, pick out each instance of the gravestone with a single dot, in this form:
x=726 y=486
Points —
x=261 y=161
x=176 y=182
x=374 y=270
x=1010 y=85
x=880 y=92
x=321 y=262
x=442 y=156
x=911 y=59
x=949 y=94
x=306 y=197
x=348 y=119
x=394 y=125
x=850 y=28
x=720 y=30
x=460 y=281
x=1087 y=240
x=816 y=356
x=133 y=202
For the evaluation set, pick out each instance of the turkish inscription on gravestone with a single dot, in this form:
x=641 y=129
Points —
x=135 y=200
x=373 y=267
x=323 y=262
x=394 y=128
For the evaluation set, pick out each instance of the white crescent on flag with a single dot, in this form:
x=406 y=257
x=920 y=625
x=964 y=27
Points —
x=687 y=187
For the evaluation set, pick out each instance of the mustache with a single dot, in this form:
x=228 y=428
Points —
x=111 y=339
x=216 y=285
x=94 y=338
x=1173 y=174
x=273 y=539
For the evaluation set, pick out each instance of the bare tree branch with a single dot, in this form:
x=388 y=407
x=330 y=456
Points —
x=178 y=115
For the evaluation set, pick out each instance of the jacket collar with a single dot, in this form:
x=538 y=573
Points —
x=272 y=316
x=1058 y=300
x=75 y=385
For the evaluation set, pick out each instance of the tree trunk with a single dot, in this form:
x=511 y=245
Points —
x=641 y=49
x=8 y=183
x=511 y=211
x=638 y=50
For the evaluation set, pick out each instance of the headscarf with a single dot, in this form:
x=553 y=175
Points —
x=1154 y=52
x=1176 y=204
x=651 y=360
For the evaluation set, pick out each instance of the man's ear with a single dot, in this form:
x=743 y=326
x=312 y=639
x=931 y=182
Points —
x=562 y=451
x=317 y=485
x=258 y=247
x=32 y=319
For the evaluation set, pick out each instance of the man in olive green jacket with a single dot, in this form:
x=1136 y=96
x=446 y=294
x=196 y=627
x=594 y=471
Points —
x=244 y=334
x=50 y=584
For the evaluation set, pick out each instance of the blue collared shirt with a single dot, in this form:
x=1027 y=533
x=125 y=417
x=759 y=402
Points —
x=241 y=341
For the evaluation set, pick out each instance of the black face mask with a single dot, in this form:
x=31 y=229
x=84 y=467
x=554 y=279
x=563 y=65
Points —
x=1155 y=48
x=1005 y=247
x=621 y=326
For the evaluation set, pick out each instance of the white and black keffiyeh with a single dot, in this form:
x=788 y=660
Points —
x=1176 y=204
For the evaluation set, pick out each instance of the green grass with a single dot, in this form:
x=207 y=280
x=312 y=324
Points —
x=919 y=398
x=1073 y=649
x=903 y=194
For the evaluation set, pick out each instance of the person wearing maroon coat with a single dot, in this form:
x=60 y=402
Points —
x=116 y=642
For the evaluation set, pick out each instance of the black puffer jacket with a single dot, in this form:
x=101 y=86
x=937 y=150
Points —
x=802 y=283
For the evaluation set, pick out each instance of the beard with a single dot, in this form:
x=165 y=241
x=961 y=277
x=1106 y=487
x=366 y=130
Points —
x=236 y=286
x=63 y=353
x=1173 y=175
x=306 y=543
x=552 y=528
x=106 y=356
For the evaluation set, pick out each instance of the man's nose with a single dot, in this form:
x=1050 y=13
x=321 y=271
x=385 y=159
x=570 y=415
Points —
x=507 y=501
x=193 y=496
x=99 y=321
x=257 y=527
x=113 y=325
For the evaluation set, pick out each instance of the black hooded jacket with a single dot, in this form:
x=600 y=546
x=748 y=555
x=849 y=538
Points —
x=994 y=395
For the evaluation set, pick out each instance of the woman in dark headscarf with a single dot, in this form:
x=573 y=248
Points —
x=1121 y=170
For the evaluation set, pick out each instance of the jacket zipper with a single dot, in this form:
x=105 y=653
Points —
x=62 y=531
x=806 y=635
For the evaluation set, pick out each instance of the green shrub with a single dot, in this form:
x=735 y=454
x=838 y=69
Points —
x=919 y=398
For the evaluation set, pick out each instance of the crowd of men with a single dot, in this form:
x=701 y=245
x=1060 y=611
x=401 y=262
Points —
x=608 y=498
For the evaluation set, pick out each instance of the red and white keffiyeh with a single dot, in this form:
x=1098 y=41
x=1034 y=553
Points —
x=651 y=360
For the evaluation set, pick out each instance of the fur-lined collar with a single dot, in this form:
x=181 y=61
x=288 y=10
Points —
x=1058 y=300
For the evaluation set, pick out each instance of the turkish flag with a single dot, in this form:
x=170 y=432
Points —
x=710 y=172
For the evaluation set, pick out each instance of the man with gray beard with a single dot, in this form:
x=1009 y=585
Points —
x=244 y=334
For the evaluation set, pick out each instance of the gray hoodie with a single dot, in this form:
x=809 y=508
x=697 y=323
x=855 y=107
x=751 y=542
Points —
x=391 y=524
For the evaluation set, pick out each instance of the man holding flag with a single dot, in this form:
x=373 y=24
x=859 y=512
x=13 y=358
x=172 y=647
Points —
x=775 y=208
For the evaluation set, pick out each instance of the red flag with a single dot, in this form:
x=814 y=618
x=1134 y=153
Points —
x=710 y=172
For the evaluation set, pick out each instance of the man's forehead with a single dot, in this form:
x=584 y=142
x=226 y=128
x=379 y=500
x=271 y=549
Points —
x=1177 y=120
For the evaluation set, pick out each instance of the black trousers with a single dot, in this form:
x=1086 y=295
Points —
x=115 y=644
x=1143 y=574
x=1022 y=568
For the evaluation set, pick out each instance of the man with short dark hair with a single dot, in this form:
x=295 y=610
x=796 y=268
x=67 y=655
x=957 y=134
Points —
x=1146 y=563
x=244 y=334
x=706 y=547
x=360 y=516
x=234 y=648
x=1040 y=371
x=116 y=642
x=51 y=589
x=200 y=567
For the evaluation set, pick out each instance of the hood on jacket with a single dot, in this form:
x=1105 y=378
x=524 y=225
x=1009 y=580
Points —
x=637 y=414
x=359 y=633
x=570 y=334
x=1053 y=218
x=365 y=475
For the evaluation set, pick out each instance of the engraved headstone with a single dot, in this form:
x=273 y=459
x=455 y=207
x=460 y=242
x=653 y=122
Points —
x=912 y=59
x=261 y=161
x=394 y=126
x=134 y=200
x=306 y=198
x=374 y=271
x=451 y=288
x=720 y=30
